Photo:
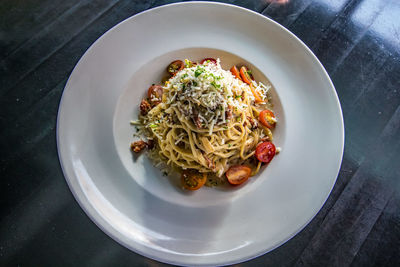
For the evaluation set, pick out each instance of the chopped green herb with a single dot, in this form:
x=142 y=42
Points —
x=188 y=63
x=216 y=78
x=153 y=125
x=226 y=127
x=194 y=83
x=238 y=118
x=229 y=145
x=238 y=96
x=198 y=71
x=215 y=85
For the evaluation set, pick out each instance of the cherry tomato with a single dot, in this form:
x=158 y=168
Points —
x=257 y=97
x=175 y=66
x=154 y=93
x=246 y=75
x=265 y=152
x=210 y=59
x=235 y=72
x=238 y=174
x=267 y=118
x=192 y=179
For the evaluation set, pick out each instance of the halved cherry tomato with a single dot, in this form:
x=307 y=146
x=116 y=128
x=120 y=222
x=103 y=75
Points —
x=175 y=66
x=192 y=179
x=210 y=59
x=246 y=75
x=247 y=78
x=255 y=94
x=238 y=174
x=235 y=72
x=154 y=93
x=265 y=152
x=267 y=118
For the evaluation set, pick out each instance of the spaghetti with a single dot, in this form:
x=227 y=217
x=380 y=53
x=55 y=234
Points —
x=206 y=120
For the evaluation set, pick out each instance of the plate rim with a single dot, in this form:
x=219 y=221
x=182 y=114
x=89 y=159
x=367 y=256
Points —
x=96 y=218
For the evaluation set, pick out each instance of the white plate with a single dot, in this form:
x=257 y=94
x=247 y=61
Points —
x=132 y=202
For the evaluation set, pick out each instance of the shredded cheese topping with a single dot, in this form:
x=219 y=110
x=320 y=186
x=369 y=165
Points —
x=206 y=92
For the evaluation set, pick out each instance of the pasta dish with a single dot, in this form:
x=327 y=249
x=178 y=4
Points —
x=205 y=122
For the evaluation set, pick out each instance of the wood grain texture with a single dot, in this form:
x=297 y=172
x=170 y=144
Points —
x=358 y=42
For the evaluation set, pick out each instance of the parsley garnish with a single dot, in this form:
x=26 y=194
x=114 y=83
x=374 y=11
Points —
x=198 y=72
x=153 y=125
x=215 y=85
x=238 y=96
x=188 y=63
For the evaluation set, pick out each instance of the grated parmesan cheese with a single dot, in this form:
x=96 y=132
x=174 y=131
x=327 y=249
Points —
x=205 y=92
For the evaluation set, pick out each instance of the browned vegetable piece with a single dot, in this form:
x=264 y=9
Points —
x=253 y=122
x=196 y=118
x=145 y=107
x=210 y=163
x=138 y=146
x=228 y=113
x=154 y=93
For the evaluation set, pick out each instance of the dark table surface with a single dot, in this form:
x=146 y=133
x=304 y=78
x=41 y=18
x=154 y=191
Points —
x=358 y=42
